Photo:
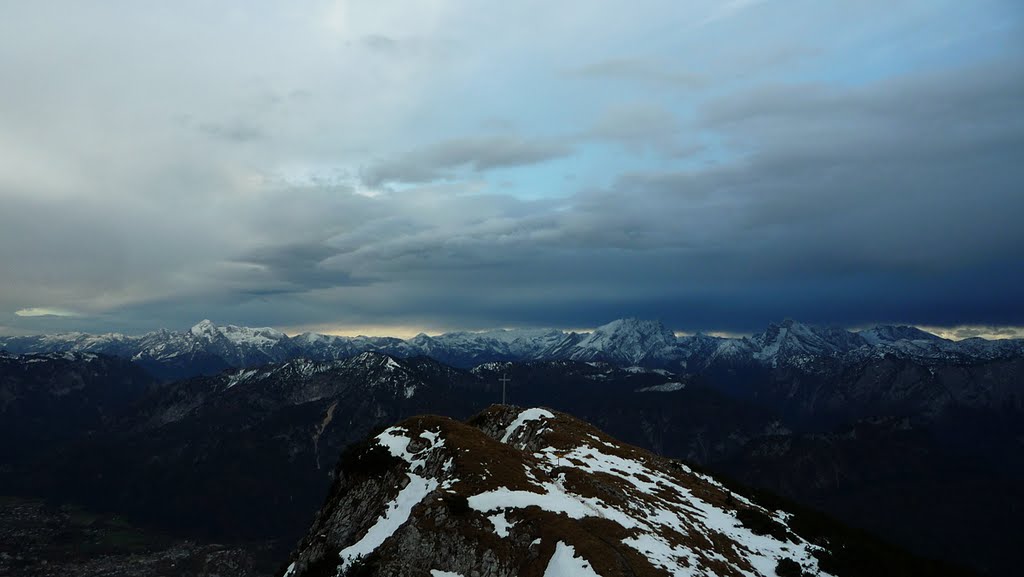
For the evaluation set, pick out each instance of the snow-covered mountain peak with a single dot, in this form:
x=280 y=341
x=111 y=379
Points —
x=262 y=336
x=204 y=328
x=780 y=342
x=259 y=338
x=633 y=326
x=535 y=492
x=311 y=338
x=894 y=333
x=378 y=360
x=627 y=340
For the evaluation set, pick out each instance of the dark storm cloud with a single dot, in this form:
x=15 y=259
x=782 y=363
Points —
x=435 y=162
x=897 y=201
x=912 y=176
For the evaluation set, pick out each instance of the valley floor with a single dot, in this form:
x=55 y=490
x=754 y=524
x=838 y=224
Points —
x=42 y=540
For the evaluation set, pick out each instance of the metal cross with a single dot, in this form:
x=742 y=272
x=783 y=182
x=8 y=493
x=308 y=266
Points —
x=504 y=380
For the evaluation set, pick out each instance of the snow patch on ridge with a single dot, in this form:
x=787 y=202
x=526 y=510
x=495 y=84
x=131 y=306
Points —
x=670 y=508
x=397 y=511
x=398 y=445
x=523 y=418
x=554 y=499
x=501 y=524
x=396 y=514
x=240 y=377
x=664 y=388
x=565 y=563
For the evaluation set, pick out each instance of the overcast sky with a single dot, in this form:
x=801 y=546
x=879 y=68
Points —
x=384 y=166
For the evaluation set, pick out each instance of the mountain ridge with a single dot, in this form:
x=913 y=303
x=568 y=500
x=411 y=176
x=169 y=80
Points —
x=207 y=348
x=534 y=492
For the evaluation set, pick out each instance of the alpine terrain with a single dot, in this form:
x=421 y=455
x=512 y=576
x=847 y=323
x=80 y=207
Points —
x=535 y=493
x=891 y=429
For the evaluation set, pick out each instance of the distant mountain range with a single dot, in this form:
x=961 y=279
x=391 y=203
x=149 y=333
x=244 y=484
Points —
x=208 y=348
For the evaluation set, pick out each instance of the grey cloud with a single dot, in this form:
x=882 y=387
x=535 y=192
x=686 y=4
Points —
x=638 y=124
x=292 y=268
x=237 y=131
x=437 y=161
x=380 y=43
x=639 y=71
x=848 y=228
x=866 y=201
x=853 y=226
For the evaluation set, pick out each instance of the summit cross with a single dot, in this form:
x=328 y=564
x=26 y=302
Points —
x=504 y=381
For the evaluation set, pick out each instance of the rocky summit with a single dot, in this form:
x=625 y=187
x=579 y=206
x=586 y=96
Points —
x=534 y=492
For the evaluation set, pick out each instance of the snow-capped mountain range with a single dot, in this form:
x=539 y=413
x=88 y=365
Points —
x=208 y=348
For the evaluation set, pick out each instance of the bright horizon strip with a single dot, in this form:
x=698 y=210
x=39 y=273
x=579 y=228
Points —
x=988 y=332
x=954 y=333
